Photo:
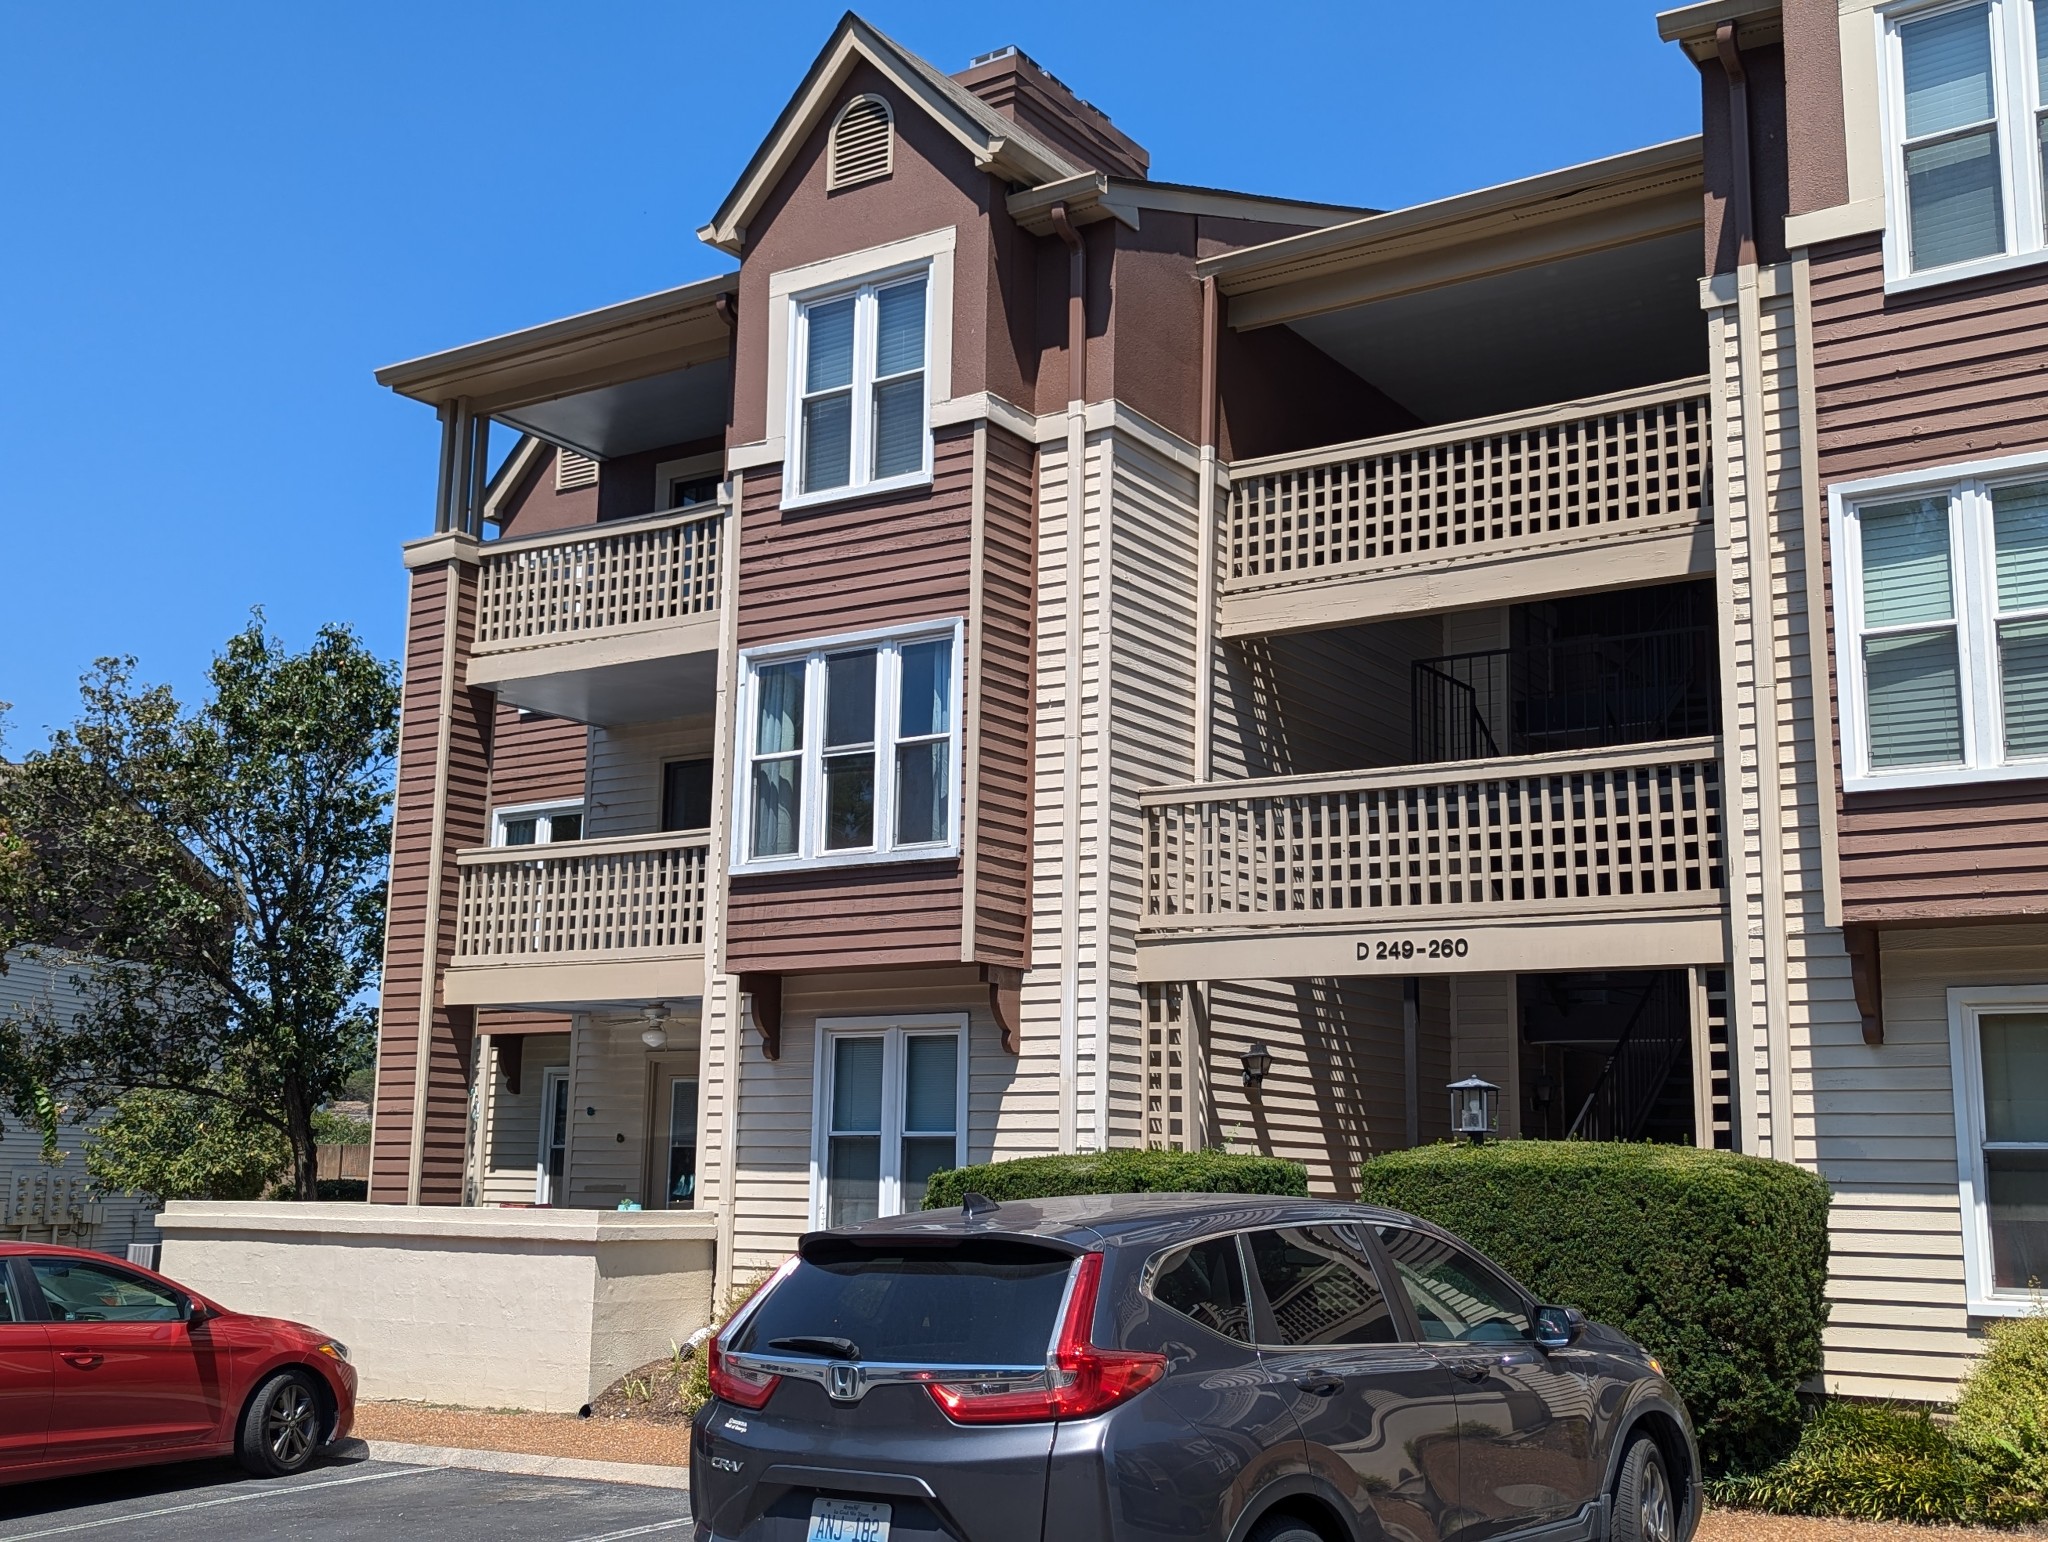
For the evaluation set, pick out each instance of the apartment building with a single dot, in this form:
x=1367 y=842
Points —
x=1037 y=658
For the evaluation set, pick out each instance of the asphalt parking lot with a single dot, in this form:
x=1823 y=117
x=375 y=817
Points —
x=217 y=1502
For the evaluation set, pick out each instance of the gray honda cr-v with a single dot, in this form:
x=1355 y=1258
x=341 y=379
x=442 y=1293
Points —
x=1181 y=1366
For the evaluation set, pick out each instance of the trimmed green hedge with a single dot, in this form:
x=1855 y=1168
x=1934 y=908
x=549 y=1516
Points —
x=1118 y=1172
x=1715 y=1263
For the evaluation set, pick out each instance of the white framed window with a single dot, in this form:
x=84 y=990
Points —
x=891 y=1102
x=552 y=1160
x=536 y=824
x=1966 y=137
x=860 y=380
x=1941 y=625
x=1998 y=1047
x=849 y=751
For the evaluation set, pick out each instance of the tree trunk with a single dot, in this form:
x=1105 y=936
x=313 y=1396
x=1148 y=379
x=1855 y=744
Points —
x=298 y=1114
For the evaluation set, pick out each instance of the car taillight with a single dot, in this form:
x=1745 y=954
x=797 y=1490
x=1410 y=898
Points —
x=735 y=1383
x=1081 y=1380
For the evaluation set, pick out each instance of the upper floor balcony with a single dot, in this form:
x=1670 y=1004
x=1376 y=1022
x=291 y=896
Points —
x=577 y=924
x=613 y=623
x=1607 y=493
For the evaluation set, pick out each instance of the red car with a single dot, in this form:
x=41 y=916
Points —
x=104 y=1364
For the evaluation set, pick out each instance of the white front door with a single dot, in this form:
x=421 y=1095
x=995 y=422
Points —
x=553 y=1156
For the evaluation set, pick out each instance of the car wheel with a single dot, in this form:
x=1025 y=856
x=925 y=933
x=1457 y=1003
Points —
x=1284 y=1528
x=281 y=1429
x=1645 y=1505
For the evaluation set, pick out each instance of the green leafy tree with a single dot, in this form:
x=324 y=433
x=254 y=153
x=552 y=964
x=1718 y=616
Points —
x=214 y=879
x=176 y=1146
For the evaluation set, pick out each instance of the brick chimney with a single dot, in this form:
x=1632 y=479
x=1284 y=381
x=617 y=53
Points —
x=1014 y=84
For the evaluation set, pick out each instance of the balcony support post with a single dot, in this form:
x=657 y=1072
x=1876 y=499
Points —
x=444 y=493
x=1205 y=543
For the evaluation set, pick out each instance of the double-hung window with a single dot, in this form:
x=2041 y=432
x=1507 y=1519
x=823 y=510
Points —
x=1941 y=609
x=1966 y=135
x=1998 y=1040
x=537 y=825
x=862 y=404
x=890 y=1116
x=850 y=751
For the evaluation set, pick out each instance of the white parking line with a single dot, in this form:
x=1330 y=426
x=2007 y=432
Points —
x=637 y=1531
x=129 y=1516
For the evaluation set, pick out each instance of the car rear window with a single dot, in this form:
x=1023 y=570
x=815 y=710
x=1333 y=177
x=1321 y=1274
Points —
x=982 y=1303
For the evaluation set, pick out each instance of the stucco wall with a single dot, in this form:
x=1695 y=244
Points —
x=537 y=1309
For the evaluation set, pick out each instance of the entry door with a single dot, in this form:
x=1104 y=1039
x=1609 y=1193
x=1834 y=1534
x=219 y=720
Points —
x=672 y=1152
x=25 y=1376
x=1378 y=1412
x=130 y=1374
x=1525 y=1444
x=551 y=1163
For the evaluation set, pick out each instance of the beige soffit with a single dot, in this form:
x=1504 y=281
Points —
x=656 y=333
x=1623 y=199
x=1094 y=195
x=997 y=144
x=1757 y=22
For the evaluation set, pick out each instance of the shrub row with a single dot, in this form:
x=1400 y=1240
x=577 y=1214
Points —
x=1715 y=1263
x=1118 y=1172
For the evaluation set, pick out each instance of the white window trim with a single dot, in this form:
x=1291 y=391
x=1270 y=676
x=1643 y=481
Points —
x=694 y=467
x=1966 y=1004
x=546 y=810
x=551 y=1077
x=861 y=390
x=1974 y=578
x=2021 y=194
x=934 y=251
x=892 y=1030
x=811 y=854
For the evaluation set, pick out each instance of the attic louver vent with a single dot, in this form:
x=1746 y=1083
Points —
x=862 y=141
x=573 y=470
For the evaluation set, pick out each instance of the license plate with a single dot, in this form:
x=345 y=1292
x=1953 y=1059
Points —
x=848 y=1520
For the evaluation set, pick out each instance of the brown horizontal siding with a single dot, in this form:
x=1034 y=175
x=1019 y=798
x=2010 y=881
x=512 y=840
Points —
x=415 y=868
x=535 y=508
x=845 y=568
x=1002 y=876
x=1924 y=380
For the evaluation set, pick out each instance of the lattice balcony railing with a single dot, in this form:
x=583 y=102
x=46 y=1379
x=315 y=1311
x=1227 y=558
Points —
x=1541 y=835
x=601 y=581
x=640 y=896
x=1574 y=474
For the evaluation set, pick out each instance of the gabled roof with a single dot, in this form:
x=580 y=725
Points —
x=998 y=145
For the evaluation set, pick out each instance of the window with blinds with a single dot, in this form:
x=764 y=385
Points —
x=862 y=409
x=863 y=144
x=891 y=1118
x=1945 y=651
x=1967 y=122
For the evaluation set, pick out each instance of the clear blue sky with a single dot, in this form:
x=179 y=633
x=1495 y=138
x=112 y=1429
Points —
x=222 y=218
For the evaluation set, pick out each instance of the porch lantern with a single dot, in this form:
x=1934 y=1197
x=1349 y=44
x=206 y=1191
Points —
x=1258 y=1060
x=1475 y=1109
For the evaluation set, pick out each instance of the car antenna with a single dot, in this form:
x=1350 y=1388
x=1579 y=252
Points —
x=975 y=1206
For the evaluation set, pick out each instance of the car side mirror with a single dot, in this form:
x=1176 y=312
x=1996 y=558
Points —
x=192 y=1312
x=1558 y=1327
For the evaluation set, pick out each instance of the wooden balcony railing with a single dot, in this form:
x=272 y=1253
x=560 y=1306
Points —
x=599 y=582
x=1632 y=828
x=1573 y=474
x=636 y=896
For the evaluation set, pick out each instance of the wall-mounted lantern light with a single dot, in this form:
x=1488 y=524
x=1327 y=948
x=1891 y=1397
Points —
x=1258 y=1060
x=1475 y=1109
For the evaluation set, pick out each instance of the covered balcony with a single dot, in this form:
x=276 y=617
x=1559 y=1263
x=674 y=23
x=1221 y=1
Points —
x=580 y=925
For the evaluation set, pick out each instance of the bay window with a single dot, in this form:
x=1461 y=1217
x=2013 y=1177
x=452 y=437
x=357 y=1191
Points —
x=1998 y=1037
x=860 y=369
x=1941 y=620
x=850 y=751
x=1967 y=139
x=893 y=1096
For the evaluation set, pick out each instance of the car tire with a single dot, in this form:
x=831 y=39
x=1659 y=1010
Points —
x=1646 y=1507
x=1284 y=1528
x=281 y=1427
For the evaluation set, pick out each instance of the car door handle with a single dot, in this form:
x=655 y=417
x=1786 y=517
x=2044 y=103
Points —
x=84 y=1359
x=1320 y=1383
x=1472 y=1371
